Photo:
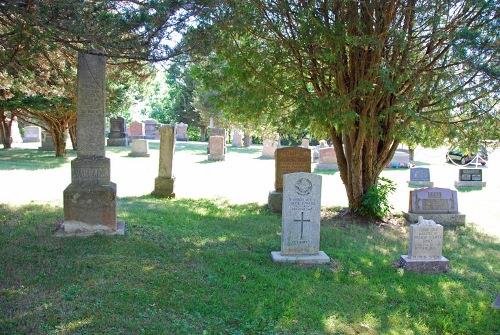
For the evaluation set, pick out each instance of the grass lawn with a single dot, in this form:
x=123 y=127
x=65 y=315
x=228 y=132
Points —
x=203 y=267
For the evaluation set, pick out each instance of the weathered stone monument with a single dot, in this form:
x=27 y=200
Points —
x=437 y=204
x=300 y=227
x=269 y=148
x=238 y=139
x=15 y=134
x=47 y=142
x=305 y=143
x=32 y=134
x=287 y=160
x=150 y=129
x=164 y=183
x=181 y=132
x=401 y=159
x=425 y=248
x=117 y=133
x=327 y=159
x=470 y=178
x=136 y=130
x=420 y=177
x=216 y=148
x=140 y=148
x=247 y=140
x=90 y=199
x=217 y=132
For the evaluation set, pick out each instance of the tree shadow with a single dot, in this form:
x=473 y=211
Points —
x=465 y=189
x=32 y=159
x=420 y=163
x=188 y=266
x=244 y=150
x=326 y=172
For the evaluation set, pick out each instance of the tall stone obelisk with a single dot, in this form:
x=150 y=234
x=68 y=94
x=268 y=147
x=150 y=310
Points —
x=164 y=183
x=90 y=199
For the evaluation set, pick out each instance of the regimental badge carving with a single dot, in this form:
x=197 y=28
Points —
x=303 y=186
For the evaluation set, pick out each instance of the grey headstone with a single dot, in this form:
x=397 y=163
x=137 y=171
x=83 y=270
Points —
x=32 y=134
x=140 y=148
x=470 y=175
x=300 y=232
x=420 y=174
x=433 y=200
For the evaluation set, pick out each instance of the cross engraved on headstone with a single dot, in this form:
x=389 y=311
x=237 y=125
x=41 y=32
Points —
x=302 y=224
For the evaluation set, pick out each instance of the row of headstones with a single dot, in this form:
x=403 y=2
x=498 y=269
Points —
x=300 y=230
x=297 y=195
x=421 y=177
x=149 y=129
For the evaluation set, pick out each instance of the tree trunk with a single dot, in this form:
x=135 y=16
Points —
x=360 y=162
x=203 y=133
x=72 y=134
x=59 y=138
x=411 y=152
x=5 y=131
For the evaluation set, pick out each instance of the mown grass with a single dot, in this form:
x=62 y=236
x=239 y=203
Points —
x=203 y=267
x=32 y=159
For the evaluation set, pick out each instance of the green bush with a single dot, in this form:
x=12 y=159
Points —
x=194 y=133
x=376 y=201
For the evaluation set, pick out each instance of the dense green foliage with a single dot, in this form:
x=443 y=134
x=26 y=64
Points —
x=376 y=200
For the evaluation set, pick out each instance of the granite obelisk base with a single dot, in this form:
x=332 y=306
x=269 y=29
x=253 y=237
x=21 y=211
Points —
x=164 y=187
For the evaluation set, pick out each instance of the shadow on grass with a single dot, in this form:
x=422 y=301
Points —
x=469 y=188
x=207 y=161
x=32 y=159
x=247 y=150
x=326 y=172
x=189 y=266
x=419 y=163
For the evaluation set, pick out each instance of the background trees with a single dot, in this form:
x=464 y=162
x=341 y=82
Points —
x=368 y=73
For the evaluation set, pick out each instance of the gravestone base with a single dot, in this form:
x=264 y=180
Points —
x=164 y=187
x=424 y=266
x=420 y=183
x=138 y=154
x=89 y=208
x=319 y=258
x=275 y=201
x=82 y=229
x=117 y=142
x=212 y=157
x=441 y=218
x=327 y=166
x=470 y=184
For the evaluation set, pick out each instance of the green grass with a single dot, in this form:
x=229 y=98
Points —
x=203 y=267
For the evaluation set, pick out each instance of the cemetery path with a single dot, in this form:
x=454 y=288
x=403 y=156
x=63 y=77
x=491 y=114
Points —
x=242 y=178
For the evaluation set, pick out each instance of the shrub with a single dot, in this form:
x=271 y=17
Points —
x=376 y=200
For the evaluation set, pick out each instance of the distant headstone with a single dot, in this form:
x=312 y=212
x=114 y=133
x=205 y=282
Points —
x=117 y=133
x=164 y=183
x=32 y=134
x=437 y=204
x=305 y=143
x=425 y=248
x=216 y=147
x=300 y=232
x=238 y=139
x=401 y=159
x=14 y=131
x=323 y=144
x=287 y=160
x=90 y=199
x=181 y=132
x=496 y=303
x=470 y=178
x=269 y=148
x=247 y=140
x=420 y=177
x=47 y=142
x=327 y=159
x=136 y=130
x=218 y=132
x=140 y=148
x=150 y=129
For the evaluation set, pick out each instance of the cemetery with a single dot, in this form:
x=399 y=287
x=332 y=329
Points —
x=155 y=181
